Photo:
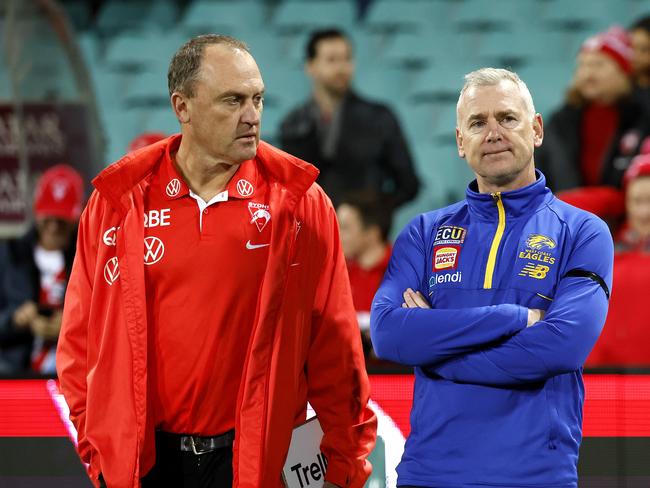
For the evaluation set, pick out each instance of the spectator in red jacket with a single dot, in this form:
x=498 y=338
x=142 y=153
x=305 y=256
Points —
x=591 y=140
x=365 y=221
x=625 y=338
x=640 y=36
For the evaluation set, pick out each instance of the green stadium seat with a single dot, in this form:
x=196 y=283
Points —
x=399 y=15
x=119 y=15
x=147 y=89
x=137 y=52
x=222 y=17
x=476 y=15
x=293 y=16
x=579 y=15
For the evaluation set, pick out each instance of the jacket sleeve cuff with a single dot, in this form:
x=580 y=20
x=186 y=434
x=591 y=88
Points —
x=340 y=475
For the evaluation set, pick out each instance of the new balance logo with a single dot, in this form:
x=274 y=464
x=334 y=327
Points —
x=537 y=271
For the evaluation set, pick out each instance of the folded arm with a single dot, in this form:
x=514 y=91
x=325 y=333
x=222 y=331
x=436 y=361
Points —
x=417 y=336
x=561 y=342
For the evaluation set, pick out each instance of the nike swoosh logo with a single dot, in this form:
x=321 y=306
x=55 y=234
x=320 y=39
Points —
x=255 y=246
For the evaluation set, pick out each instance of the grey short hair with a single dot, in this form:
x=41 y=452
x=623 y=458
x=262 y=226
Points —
x=492 y=77
x=184 y=66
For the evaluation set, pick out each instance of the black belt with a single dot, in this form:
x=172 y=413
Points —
x=194 y=443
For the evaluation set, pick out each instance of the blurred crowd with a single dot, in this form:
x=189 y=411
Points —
x=595 y=155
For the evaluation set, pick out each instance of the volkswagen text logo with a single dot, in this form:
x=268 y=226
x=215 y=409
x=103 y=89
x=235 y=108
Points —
x=154 y=249
x=173 y=187
x=111 y=270
x=245 y=188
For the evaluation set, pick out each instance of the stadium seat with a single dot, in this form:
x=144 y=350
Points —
x=119 y=15
x=223 y=17
x=579 y=15
x=140 y=52
x=441 y=82
x=293 y=16
x=397 y=15
x=410 y=49
x=148 y=90
x=475 y=15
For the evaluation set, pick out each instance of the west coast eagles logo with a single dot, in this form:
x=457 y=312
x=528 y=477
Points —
x=538 y=247
x=539 y=241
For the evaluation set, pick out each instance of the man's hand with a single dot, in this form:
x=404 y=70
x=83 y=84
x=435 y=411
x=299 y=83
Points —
x=414 y=299
x=46 y=327
x=327 y=484
x=24 y=314
x=534 y=316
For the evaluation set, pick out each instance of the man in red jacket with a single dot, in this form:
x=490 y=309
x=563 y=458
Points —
x=209 y=301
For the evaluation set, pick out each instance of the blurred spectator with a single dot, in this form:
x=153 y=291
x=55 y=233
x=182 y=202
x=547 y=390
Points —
x=365 y=221
x=640 y=36
x=356 y=144
x=625 y=340
x=590 y=141
x=145 y=139
x=35 y=269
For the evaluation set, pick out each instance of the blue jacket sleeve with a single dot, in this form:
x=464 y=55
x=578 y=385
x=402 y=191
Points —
x=561 y=342
x=424 y=336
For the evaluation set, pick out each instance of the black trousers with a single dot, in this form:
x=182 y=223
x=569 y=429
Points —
x=179 y=469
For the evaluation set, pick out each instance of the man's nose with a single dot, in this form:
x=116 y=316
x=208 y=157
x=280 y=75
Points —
x=251 y=114
x=494 y=131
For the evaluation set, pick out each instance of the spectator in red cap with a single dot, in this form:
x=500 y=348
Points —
x=145 y=139
x=625 y=338
x=591 y=140
x=36 y=267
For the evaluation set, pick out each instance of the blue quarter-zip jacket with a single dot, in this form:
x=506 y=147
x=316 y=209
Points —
x=495 y=403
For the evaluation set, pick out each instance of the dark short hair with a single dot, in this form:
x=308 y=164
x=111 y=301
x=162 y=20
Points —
x=374 y=209
x=642 y=24
x=322 y=35
x=186 y=62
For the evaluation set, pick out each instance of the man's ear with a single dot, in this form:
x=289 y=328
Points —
x=538 y=129
x=459 y=143
x=180 y=105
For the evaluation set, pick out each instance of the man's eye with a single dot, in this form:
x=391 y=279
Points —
x=476 y=124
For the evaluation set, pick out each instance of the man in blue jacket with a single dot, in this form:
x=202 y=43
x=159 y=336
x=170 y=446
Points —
x=497 y=301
